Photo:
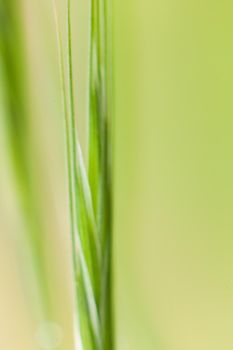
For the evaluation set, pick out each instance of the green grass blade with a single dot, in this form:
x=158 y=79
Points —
x=100 y=153
x=85 y=252
x=90 y=192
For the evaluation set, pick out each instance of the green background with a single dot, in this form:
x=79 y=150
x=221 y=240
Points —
x=174 y=174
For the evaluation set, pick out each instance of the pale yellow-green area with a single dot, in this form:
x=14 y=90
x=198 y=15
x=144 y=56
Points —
x=173 y=175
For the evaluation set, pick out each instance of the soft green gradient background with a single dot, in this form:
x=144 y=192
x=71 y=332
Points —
x=173 y=175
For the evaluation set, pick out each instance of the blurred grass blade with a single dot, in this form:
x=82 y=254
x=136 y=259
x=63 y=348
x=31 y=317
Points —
x=20 y=152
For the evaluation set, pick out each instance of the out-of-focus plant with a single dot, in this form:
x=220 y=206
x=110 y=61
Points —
x=20 y=150
x=90 y=189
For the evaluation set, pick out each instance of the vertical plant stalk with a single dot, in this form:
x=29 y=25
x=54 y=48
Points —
x=99 y=167
x=90 y=196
